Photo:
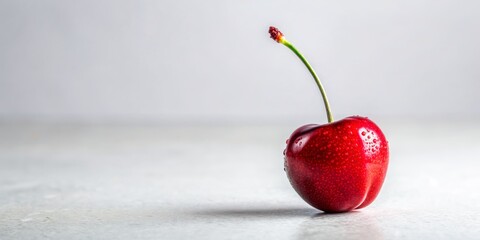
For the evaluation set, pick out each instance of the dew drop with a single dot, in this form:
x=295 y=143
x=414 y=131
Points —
x=368 y=137
x=363 y=133
x=375 y=140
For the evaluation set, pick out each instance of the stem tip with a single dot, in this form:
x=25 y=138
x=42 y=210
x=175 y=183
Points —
x=275 y=34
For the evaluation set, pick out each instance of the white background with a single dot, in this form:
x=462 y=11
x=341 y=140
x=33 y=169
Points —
x=177 y=61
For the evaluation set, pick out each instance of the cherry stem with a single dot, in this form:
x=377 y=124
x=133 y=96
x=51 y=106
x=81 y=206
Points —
x=278 y=36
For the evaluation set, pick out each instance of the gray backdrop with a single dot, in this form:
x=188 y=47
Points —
x=213 y=61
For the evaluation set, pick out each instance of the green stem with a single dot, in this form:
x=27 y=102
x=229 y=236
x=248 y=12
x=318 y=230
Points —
x=314 y=75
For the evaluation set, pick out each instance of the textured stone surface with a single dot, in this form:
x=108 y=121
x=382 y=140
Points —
x=223 y=182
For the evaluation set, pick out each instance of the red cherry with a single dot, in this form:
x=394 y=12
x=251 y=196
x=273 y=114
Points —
x=339 y=166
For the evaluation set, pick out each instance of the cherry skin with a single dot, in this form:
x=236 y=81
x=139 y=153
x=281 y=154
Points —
x=339 y=166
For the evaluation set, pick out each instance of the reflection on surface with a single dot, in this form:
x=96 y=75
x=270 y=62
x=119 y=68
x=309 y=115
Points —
x=351 y=225
x=258 y=212
x=292 y=223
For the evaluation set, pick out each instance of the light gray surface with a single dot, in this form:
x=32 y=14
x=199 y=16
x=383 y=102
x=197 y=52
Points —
x=224 y=182
x=182 y=60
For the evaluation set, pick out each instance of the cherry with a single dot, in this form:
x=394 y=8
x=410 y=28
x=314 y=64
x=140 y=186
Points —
x=339 y=166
